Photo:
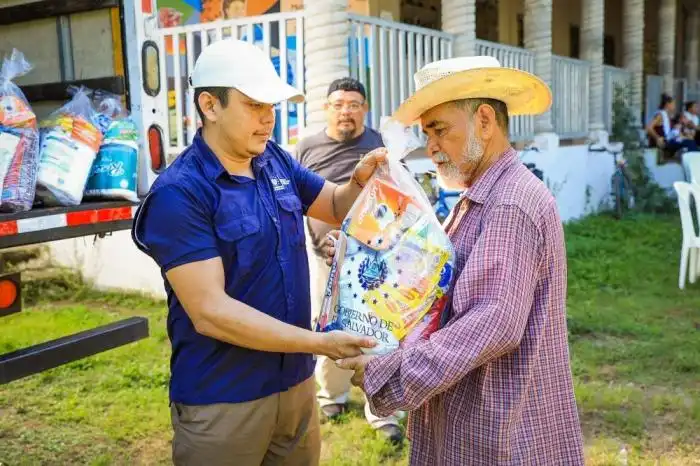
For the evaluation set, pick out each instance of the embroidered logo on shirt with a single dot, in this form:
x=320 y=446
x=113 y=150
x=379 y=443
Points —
x=279 y=184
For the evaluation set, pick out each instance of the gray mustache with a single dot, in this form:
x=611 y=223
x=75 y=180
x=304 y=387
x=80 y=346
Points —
x=441 y=157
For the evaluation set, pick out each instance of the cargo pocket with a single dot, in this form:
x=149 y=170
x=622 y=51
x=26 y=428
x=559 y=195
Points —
x=239 y=241
x=291 y=219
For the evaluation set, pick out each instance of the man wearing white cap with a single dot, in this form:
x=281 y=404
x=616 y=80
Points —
x=224 y=224
x=493 y=385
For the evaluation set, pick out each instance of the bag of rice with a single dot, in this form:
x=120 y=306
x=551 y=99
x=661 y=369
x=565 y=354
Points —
x=19 y=139
x=113 y=174
x=70 y=140
x=393 y=265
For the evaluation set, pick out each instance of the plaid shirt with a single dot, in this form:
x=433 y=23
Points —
x=494 y=385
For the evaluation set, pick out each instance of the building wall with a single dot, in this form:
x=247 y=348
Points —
x=568 y=12
x=565 y=13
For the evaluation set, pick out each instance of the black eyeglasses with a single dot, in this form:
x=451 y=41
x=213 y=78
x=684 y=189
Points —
x=352 y=106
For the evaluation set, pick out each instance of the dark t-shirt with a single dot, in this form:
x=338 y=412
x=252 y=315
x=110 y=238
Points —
x=334 y=161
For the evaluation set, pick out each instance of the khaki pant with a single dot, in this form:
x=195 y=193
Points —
x=280 y=429
x=334 y=384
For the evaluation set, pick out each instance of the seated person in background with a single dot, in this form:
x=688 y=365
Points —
x=678 y=130
x=660 y=129
x=686 y=128
x=692 y=110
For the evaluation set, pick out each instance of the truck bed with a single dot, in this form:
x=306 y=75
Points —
x=44 y=224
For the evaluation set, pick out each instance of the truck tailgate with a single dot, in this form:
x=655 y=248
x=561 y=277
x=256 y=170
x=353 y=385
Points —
x=40 y=225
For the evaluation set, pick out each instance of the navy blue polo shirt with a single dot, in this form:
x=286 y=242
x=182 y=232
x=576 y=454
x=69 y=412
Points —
x=195 y=211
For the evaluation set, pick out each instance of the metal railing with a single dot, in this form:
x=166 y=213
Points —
x=570 y=91
x=280 y=35
x=384 y=55
x=612 y=77
x=507 y=55
x=680 y=92
x=654 y=88
x=694 y=91
x=521 y=127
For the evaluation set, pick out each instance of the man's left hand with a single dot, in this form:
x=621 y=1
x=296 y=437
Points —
x=367 y=165
x=357 y=364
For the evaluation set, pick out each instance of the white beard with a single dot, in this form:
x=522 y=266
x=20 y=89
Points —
x=449 y=174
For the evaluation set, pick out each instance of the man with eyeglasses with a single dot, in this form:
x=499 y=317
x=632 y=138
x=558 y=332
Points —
x=333 y=153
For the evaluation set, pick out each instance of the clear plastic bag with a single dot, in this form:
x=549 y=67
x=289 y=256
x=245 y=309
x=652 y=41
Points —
x=108 y=107
x=19 y=139
x=394 y=263
x=114 y=172
x=70 y=139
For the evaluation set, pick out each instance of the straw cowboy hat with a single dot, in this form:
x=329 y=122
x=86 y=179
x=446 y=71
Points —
x=473 y=78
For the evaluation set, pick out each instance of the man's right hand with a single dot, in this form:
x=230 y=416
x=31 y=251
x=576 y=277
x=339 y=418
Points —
x=340 y=345
x=328 y=245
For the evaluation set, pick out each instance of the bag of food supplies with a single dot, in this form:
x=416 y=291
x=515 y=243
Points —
x=70 y=139
x=394 y=263
x=113 y=174
x=19 y=139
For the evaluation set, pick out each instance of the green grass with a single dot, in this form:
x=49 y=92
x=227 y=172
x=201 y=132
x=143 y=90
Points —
x=635 y=349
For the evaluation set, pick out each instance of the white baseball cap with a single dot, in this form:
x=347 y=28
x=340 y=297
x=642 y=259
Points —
x=243 y=66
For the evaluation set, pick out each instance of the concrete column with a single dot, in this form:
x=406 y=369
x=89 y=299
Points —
x=633 y=50
x=667 y=43
x=326 y=33
x=537 y=25
x=692 y=57
x=592 y=34
x=459 y=18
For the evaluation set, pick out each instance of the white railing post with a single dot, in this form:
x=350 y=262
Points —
x=654 y=88
x=326 y=33
x=384 y=57
x=459 y=18
x=570 y=94
x=191 y=38
x=521 y=127
x=613 y=77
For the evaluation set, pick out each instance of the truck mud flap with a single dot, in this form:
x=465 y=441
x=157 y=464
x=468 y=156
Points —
x=34 y=359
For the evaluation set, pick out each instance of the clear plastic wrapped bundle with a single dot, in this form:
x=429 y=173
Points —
x=114 y=172
x=394 y=263
x=70 y=139
x=19 y=139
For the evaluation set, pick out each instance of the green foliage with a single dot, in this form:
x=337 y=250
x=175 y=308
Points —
x=648 y=195
x=634 y=348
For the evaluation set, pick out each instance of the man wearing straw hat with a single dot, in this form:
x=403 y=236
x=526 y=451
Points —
x=493 y=385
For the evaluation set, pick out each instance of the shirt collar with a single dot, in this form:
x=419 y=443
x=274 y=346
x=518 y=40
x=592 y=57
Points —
x=482 y=187
x=213 y=168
